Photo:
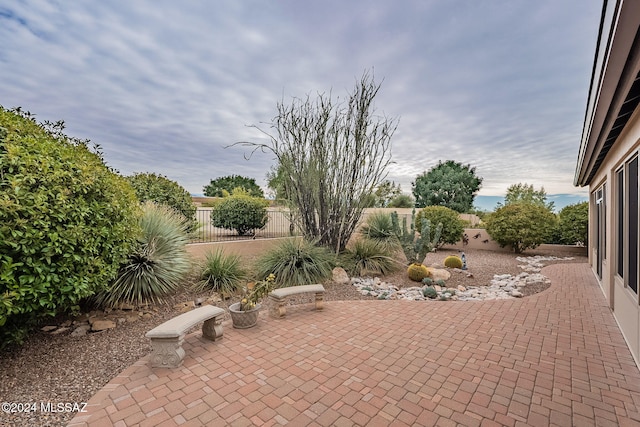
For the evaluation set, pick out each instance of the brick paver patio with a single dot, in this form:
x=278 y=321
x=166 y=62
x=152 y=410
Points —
x=556 y=358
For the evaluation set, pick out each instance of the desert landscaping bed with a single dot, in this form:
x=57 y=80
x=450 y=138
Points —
x=60 y=368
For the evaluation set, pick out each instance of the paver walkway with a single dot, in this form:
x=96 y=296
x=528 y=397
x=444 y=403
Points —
x=556 y=358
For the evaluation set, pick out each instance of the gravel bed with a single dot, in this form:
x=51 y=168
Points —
x=64 y=369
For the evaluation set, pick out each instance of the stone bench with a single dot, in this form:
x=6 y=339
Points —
x=167 y=338
x=279 y=297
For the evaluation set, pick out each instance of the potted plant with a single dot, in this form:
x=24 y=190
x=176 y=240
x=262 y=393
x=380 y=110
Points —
x=244 y=314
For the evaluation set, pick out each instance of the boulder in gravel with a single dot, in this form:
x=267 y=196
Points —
x=101 y=325
x=340 y=276
x=439 y=274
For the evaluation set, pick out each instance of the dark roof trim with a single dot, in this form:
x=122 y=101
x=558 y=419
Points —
x=615 y=93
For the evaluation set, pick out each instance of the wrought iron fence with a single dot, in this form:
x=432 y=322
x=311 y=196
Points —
x=278 y=225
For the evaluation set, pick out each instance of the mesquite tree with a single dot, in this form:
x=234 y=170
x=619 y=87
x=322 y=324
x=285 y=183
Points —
x=332 y=155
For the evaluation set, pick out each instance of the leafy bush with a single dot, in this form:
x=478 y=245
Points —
x=162 y=190
x=224 y=186
x=521 y=225
x=452 y=225
x=573 y=224
x=241 y=213
x=67 y=222
x=369 y=257
x=158 y=264
x=379 y=228
x=296 y=262
x=222 y=273
x=453 y=261
x=402 y=201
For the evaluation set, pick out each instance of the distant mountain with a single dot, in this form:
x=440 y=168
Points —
x=488 y=203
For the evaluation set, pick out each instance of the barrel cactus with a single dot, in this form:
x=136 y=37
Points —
x=453 y=262
x=417 y=272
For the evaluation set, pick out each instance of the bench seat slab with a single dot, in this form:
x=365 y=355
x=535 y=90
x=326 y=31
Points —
x=279 y=298
x=167 y=338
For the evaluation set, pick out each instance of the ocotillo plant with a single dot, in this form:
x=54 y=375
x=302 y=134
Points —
x=415 y=245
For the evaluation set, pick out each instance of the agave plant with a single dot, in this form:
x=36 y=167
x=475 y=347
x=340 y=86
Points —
x=379 y=228
x=369 y=257
x=222 y=273
x=296 y=262
x=159 y=263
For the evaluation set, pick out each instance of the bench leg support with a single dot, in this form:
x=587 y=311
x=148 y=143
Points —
x=212 y=328
x=319 y=300
x=167 y=352
x=278 y=307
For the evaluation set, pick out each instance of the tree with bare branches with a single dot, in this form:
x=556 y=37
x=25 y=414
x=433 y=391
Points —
x=331 y=155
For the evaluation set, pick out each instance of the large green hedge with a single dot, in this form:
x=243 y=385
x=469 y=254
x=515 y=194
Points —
x=162 y=190
x=67 y=222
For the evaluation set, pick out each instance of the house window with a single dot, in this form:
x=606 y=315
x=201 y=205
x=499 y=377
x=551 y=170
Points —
x=632 y=224
x=600 y=231
x=620 y=227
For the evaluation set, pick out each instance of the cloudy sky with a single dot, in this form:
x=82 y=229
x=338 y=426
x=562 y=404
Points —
x=165 y=86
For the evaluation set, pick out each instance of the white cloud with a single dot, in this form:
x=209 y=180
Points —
x=165 y=86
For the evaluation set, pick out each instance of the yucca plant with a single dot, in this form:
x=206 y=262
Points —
x=159 y=263
x=369 y=257
x=379 y=228
x=222 y=273
x=296 y=262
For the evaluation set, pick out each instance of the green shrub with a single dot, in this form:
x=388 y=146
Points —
x=402 y=201
x=521 y=225
x=241 y=213
x=67 y=222
x=157 y=266
x=379 y=228
x=369 y=257
x=222 y=273
x=452 y=225
x=162 y=190
x=453 y=261
x=573 y=224
x=296 y=262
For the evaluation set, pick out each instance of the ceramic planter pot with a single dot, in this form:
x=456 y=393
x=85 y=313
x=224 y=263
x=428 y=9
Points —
x=244 y=319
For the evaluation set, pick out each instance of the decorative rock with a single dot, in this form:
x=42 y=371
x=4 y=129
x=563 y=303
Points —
x=439 y=274
x=503 y=286
x=48 y=328
x=340 y=276
x=101 y=325
x=60 y=331
x=80 y=331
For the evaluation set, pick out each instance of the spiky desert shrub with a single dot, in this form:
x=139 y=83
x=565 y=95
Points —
x=159 y=263
x=241 y=213
x=452 y=225
x=67 y=222
x=162 y=190
x=379 y=228
x=222 y=273
x=296 y=262
x=369 y=257
x=521 y=225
